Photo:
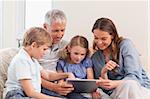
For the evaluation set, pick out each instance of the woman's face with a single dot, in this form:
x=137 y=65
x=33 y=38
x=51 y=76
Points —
x=102 y=39
x=77 y=54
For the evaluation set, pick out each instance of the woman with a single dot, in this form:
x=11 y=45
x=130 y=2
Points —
x=117 y=64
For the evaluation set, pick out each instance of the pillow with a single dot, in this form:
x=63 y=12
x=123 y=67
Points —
x=6 y=56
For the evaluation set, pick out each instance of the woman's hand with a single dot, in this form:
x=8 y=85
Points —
x=96 y=95
x=108 y=84
x=109 y=66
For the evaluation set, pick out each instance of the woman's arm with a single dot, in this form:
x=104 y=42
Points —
x=109 y=84
x=130 y=61
x=30 y=91
x=109 y=66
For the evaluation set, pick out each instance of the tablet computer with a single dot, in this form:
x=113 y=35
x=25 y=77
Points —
x=83 y=85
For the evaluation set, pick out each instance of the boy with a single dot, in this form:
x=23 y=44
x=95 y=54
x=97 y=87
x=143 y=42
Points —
x=24 y=72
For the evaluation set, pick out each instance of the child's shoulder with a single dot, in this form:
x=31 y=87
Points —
x=21 y=56
x=87 y=61
x=62 y=61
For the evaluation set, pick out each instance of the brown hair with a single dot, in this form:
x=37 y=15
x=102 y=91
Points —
x=75 y=41
x=107 y=25
x=38 y=35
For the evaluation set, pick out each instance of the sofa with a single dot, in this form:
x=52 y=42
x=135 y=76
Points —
x=6 y=56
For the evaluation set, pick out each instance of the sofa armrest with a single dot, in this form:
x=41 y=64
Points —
x=6 y=56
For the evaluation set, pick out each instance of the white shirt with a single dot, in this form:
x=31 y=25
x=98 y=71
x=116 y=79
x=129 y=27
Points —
x=23 y=66
x=50 y=59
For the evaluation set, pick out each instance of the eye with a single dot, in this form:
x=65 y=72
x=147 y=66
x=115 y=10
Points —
x=76 y=53
x=55 y=30
x=62 y=30
x=45 y=49
x=104 y=39
x=82 y=54
x=95 y=38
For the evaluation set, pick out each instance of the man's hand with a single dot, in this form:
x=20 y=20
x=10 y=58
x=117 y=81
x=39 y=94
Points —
x=63 y=88
x=71 y=75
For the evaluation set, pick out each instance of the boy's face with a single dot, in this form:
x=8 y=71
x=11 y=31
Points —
x=77 y=54
x=56 y=31
x=39 y=51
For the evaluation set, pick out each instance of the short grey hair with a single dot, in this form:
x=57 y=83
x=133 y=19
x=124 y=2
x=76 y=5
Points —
x=55 y=15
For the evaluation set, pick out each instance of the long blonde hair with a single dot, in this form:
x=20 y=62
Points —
x=75 y=41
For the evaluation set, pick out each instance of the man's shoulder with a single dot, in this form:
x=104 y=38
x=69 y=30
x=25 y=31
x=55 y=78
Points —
x=62 y=44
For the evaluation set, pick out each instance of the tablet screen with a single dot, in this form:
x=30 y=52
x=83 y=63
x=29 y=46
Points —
x=83 y=85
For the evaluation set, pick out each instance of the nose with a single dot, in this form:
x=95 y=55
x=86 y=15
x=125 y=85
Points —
x=79 y=57
x=60 y=33
x=99 y=42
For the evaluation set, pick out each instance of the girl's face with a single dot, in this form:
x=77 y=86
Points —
x=39 y=51
x=102 y=39
x=77 y=54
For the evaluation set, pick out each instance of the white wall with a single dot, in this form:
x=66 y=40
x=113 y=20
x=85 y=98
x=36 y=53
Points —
x=148 y=35
x=12 y=22
x=1 y=24
x=35 y=11
x=17 y=15
x=130 y=17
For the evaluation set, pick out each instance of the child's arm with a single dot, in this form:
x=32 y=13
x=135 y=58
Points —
x=30 y=92
x=89 y=73
x=52 y=76
x=62 y=80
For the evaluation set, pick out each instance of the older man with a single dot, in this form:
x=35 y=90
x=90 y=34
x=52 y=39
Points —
x=55 y=23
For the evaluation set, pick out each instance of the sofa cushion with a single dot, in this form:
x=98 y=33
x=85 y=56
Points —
x=6 y=56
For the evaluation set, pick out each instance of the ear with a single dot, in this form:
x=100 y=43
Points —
x=34 y=44
x=69 y=48
x=112 y=37
x=45 y=26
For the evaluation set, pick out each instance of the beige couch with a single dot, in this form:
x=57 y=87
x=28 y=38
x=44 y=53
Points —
x=6 y=56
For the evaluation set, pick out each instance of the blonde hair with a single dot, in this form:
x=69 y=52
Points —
x=38 y=35
x=75 y=41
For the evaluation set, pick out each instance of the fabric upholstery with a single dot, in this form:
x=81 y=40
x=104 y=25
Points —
x=6 y=56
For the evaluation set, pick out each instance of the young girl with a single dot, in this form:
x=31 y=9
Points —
x=75 y=59
x=24 y=72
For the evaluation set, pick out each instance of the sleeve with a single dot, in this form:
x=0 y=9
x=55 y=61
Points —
x=60 y=65
x=131 y=62
x=23 y=70
x=88 y=63
x=40 y=67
